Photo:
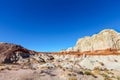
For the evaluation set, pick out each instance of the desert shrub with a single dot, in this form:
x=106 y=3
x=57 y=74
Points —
x=118 y=77
x=101 y=63
x=80 y=72
x=106 y=76
x=87 y=72
x=96 y=70
x=113 y=77
x=8 y=68
x=72 y=78
x=29 y=79
x=115 y=60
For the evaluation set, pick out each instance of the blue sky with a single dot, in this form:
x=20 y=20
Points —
x=52 y=25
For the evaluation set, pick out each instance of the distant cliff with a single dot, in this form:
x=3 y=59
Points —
x=106 y=39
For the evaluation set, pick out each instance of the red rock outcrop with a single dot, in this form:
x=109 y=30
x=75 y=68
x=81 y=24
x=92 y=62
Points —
x=10 y=52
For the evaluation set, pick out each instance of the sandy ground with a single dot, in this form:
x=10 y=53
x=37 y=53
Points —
x=48 y=74
x=28 y=74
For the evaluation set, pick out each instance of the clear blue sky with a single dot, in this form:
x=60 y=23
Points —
x=52 y=25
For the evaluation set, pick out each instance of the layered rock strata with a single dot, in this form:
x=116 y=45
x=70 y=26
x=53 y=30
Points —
x=106 y=39
x=10 y=53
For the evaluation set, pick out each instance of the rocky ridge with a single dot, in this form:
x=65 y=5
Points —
x=10 y=53
x=106 y=39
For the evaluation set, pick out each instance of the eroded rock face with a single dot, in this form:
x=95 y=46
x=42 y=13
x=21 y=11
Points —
x=10 y=53
x=106 y=39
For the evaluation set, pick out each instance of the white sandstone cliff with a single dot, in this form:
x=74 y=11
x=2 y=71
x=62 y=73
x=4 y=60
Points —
x=106 y=39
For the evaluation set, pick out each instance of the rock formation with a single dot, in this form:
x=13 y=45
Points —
x=106 y=39
x=10 y=53
x=96 y=57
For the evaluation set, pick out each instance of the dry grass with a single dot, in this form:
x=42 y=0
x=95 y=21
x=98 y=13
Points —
x=72 y=78
x=118 y=77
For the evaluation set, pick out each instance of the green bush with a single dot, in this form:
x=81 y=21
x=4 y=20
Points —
x=88 y=73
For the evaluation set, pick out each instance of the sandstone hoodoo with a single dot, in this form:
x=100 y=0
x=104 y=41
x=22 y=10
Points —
x=107 y=39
